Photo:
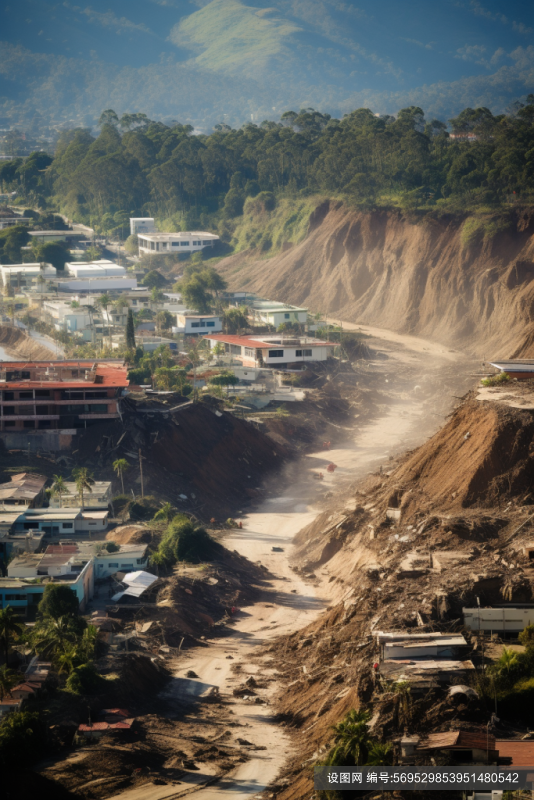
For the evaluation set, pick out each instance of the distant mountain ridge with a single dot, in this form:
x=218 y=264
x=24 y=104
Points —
x=233 y=62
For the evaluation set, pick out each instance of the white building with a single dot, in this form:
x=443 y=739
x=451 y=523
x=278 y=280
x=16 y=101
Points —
x=142 y=225
x=95 y=269
x=271 y=313
x=22 y=276
x=195 y=324
x=97 y=285
x=65 y=318
x=62 y=521
x=168 y=243
x=501 y=619
x=271 y=351
x=98 y=497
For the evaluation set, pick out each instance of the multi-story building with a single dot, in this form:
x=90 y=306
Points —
x=142 y=225
x=271 y=351
x=175 y=243
x=23 y=276
x=41 y=397
x=272 y=313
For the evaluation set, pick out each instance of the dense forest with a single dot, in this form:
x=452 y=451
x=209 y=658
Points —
x=140 y=167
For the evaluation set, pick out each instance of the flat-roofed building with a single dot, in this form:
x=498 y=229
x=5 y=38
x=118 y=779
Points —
x=183 y=242
x=272 y=351
x=95 y=269
x=195 y=324
x=519 y=368
x=23 y=276
x=39 y=396
x=43 y=237
x=98 y=497
x=23 y=593
x=272 y=313
x=142 y=225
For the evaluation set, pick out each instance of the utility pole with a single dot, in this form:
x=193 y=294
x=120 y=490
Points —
x=141 y=471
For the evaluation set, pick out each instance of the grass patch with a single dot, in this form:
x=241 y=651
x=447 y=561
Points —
x=269 y=230
x=496 y=380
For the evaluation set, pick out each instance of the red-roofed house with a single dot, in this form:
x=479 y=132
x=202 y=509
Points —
x=44 y=397
x=271 y=351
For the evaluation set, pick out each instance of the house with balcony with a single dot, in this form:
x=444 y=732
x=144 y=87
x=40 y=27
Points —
x=175 y=243
x=40 y=398
x=271 y=351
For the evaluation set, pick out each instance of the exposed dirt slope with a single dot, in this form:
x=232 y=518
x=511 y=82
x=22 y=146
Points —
x=412 y=276
x=18 y=343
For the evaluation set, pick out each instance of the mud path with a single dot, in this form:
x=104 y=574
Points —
x=419 y=384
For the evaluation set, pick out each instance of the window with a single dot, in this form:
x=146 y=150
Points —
x=9 y=395
x=276 y=353
x=134 y=302
x=15 y=597
x=92 y=523
x=210 y=324
x=41 y=410
x=25 y=395
x=9 y=423
x=298 y=353
x=208 y=242
x=235 y=349
x=249 y=352
x=184 y=244
x=286 y=316
x=129 y=566
x=45 y=423
x=202 y=323
x=197 y=244
x=29 y=423
x=195 y=324
x=140 y=560
x=68 y=525
x=115 y=565
x=9 y=410
x=308 y=353
x=40 y=393
x=175 y=244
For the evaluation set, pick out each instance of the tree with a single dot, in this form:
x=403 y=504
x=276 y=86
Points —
x=121 y=466
x=380 y=755
x=154 y=280
x=351 y=739
x=130 y=331
x=8 y=679
x=111 y=547
x=224 y=378
x=84 y=481
x=59 y=488
x=164 y=320
x=131 y=245
x=235 y=319
x=103 y=302
x=58 y=601
x=166 y=512
x=9 y=626
x=108 y=117
x=54 y=253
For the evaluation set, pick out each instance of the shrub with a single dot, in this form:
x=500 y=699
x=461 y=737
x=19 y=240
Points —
x=58 y=601
x=111 y=547
x=495 y=380
x=183 y=541
x=85 y=680
x=143 y=508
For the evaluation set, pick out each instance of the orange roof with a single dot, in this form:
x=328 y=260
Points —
x=521 y=752
x=108 y=374
x=260 y=345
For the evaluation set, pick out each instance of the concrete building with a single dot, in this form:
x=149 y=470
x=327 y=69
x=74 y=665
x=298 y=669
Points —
x=195 y=324
x=9 y=222
x=142 y=225
x=57 y=397
x=25 y=593
x=62 y=522
x=24 y=490
x=272 y=351
x=267 y=312
x=98 y=497
x=44 y=237
x=175 y=243
x=518 y=368
x=151 y=343
x=24 y=276
x=501 y=619
x=96 y=285
x=95 y=269
x=65 y=318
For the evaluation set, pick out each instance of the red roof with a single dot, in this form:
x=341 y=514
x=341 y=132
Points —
x=107 y=373
x=106 y=726
x=26 y=687
x=454 y=740
x=247 y=341
x=521 y=753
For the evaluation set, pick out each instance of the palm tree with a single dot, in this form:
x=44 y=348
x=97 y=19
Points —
x=104 y=301
x=59 y=488
x=68 y=660
x=84 y=481
x=166 y=512
x=88 y=642
x=380 y=755
x=120 y=466
x=507 y=660
x=55 y=636
x=351 y=739
x=9 y=626
x=8 y=679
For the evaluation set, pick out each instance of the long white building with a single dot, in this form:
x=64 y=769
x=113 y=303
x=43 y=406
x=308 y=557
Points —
x=183 y=242
x=271 y=351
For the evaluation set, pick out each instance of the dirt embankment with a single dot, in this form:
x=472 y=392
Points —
x=429 y=277
x=463 y=512
x=17 y=343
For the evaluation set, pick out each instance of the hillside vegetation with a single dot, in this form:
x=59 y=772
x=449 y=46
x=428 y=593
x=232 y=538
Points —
x=140 y=167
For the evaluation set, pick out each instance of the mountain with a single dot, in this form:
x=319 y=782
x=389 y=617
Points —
x=232 y=61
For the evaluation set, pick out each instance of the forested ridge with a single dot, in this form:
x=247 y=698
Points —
x=140 y=167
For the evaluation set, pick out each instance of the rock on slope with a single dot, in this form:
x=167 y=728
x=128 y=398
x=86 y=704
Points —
x=414 y=276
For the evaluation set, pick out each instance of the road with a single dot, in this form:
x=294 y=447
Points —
x=423 y=377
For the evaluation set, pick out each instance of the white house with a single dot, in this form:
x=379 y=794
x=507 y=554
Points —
x=99 y=497
x=195 y=324
x=513 y=618
x=22 y=276
x=271 y=313
x=271 y=351
x=65 y=318
x=142 y=225
x=183 y=242
x=62 y=521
